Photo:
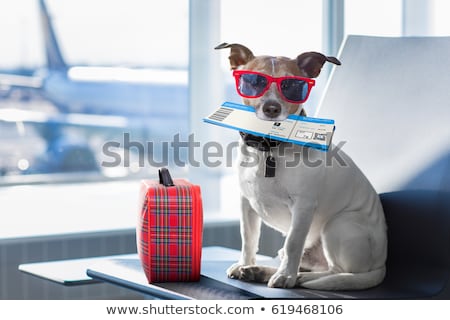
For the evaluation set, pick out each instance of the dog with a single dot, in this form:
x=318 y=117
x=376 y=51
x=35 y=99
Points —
x=331 y=216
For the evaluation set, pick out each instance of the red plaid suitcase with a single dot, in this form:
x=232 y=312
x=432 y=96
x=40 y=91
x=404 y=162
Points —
x=170 y=229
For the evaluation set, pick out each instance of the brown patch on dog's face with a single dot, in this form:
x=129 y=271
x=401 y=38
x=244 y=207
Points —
x=271 y=106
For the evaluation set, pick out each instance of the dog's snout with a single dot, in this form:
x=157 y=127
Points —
x=272 y=109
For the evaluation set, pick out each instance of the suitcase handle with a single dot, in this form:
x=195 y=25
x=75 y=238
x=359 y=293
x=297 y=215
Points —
x=165 y=178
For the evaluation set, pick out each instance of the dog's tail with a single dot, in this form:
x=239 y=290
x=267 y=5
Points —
x=347 y=281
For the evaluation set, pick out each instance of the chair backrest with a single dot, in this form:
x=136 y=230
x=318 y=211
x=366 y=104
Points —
x=391 y=103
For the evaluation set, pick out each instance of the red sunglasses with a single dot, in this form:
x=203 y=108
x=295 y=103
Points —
x=251 y=84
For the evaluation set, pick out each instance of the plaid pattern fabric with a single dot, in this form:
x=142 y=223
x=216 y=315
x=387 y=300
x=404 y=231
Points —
x=170 y=232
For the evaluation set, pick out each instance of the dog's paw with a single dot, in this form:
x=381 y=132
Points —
x=234 y=271
x=251 y=273
x=281 y=280
x=256 y=273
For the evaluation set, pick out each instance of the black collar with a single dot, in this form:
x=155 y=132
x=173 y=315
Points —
x=263 y=144
x=257 y=142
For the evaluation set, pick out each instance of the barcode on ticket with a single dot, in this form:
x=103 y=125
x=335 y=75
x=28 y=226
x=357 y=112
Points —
x=221 y=114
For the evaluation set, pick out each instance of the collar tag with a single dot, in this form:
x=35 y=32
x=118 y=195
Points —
x=271 y=164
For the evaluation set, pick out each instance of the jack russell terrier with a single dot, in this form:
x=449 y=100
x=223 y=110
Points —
x=329 y=212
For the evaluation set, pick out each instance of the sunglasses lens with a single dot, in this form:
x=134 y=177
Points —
x=294 y=89
x=252 y=85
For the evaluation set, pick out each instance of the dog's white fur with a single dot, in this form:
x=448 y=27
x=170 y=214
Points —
x=331 y=215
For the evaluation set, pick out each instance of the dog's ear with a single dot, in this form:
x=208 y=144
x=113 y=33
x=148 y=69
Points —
x=311 y=63
x=239 y=54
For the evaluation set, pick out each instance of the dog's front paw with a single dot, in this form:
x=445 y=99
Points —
x=234 y=271
x=282 y=280
x=257 y=273
x=251 y=273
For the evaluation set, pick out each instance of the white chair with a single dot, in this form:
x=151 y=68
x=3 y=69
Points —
x=391 y=103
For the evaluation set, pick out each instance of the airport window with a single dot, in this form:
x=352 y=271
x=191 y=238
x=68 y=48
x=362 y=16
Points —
x=395 y=18
x=134 y=33
x=93 y=117
x=97 y=91
x=84 y=87
x=86 y=79
x=373 y=18
x=440 y=21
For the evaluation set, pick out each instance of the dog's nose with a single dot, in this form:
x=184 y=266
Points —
x=272 y=109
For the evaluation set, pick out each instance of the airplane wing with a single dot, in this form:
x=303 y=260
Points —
x=14 y=80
